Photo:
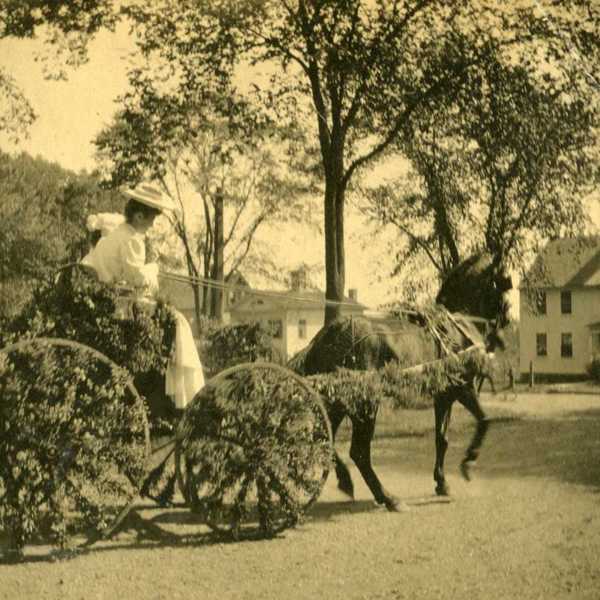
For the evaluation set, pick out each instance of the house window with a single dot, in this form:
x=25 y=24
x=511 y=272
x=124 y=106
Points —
x=541 y=344
x=565 y=303
x=302 y=328
x=540 y=302
x=275 y=328
x=566 y=345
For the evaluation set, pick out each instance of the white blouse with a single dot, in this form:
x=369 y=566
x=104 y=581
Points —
x=120 y=257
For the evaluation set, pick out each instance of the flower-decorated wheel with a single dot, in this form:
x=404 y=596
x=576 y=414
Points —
x=74 y=443
x=253 y=450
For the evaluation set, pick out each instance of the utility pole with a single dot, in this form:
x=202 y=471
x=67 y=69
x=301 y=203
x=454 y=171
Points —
x=217 y=274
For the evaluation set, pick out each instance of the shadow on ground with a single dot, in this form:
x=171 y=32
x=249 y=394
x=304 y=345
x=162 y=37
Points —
x=566 y=448
x=140 y=537
x=329 y=510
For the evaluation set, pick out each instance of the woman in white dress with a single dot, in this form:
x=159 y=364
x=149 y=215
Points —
x=119 y=258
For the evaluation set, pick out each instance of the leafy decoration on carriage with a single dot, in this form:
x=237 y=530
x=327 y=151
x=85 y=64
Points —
x=255 y=439
x=69 y=444
x=80 y=308
x=74 y=406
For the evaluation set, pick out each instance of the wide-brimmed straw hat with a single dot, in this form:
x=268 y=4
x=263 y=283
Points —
x=150 y=196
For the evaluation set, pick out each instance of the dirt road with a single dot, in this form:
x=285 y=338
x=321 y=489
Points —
x=528 y=527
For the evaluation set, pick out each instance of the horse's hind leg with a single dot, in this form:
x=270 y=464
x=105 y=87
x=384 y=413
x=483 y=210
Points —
x=336 y=416
x=443 y=410
x=360 y=452
x=469 y=399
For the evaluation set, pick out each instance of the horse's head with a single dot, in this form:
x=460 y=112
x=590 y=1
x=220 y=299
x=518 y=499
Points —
x=478 y=287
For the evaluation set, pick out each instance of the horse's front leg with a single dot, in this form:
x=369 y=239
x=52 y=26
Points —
x=469 y=398
x=443 y=410
x=360 y=452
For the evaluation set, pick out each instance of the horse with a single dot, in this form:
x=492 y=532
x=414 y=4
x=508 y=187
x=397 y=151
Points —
x=477 y=287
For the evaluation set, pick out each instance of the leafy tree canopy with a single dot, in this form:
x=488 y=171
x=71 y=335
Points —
x=43 y=211
x=365 y=72
x=501 y=166
x=360 y=71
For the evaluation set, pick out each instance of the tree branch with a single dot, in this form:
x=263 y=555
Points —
x=417 y=240
x=391 y=136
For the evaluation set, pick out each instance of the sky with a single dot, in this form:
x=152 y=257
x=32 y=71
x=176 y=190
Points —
x=71 y=113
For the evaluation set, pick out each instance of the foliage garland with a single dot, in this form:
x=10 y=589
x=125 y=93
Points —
x=72 y=436
x=362 y=392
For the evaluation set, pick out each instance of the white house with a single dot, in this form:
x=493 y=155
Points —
x=559 y=330
x=293 y=316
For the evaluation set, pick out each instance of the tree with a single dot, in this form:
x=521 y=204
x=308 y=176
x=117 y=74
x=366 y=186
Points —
x=505 y=163
x=16 y=114
x=21 y=18
x=216 y=149
x=66 y=26
x=363 y=70
x=43 y=211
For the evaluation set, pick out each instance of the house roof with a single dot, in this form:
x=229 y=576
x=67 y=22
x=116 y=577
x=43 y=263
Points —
x=566 y=262
x=269 y=300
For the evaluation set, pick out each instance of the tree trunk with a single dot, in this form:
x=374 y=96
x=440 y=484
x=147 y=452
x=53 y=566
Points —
x=197 y=306
x=217 y=274
x=335 y=262
x=193 y=274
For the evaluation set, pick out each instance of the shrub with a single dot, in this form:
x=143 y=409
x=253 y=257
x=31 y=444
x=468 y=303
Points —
x=593 y=369
x=225 y=347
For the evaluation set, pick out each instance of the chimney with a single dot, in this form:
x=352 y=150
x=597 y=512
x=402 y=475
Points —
x=353 y=293
x=299 y=279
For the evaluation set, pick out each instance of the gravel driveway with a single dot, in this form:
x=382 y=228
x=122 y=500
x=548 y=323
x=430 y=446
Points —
x=528 y=527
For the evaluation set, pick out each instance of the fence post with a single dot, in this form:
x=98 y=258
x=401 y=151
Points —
x=531 y=374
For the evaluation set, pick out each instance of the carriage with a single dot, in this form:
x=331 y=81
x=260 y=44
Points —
x=83 y=419
x=85 y=434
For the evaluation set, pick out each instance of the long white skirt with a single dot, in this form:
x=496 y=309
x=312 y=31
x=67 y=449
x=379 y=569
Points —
x=184 y=377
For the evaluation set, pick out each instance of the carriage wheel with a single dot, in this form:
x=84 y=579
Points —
x=75 y=444
x=253 y=450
